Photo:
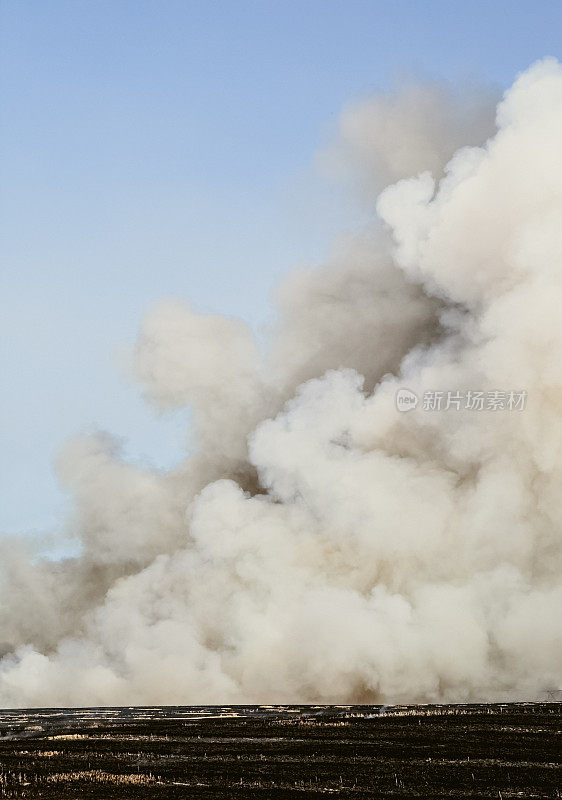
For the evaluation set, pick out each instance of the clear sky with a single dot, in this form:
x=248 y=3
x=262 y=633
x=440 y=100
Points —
x=157 y=147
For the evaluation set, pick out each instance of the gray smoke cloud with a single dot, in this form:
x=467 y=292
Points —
x=320 y=545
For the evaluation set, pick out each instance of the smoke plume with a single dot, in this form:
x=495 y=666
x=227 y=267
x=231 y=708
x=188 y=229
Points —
x=321 y=545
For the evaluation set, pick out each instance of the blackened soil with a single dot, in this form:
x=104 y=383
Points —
x=281 y=752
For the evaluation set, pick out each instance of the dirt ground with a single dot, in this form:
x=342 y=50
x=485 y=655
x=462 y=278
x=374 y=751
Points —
x=281 y=752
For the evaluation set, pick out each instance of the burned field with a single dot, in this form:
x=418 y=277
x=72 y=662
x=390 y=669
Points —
x=469 y=751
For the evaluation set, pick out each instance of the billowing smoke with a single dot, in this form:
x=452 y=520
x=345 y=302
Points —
x=322 y=545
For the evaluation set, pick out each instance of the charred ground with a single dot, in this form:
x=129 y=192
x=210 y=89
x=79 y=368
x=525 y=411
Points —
x=467 y=751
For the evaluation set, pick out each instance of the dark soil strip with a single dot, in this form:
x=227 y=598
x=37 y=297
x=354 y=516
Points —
x=471 y=751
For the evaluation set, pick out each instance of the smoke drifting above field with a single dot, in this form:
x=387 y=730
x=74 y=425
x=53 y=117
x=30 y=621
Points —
x=322 y=545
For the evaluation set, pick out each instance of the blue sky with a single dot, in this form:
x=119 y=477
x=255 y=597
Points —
x=163 y=147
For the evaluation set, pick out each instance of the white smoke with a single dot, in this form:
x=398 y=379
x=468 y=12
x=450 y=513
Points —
x=392 y=136
x=321 y=546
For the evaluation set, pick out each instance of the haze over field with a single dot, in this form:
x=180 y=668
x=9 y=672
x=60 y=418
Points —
x=321 y=546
